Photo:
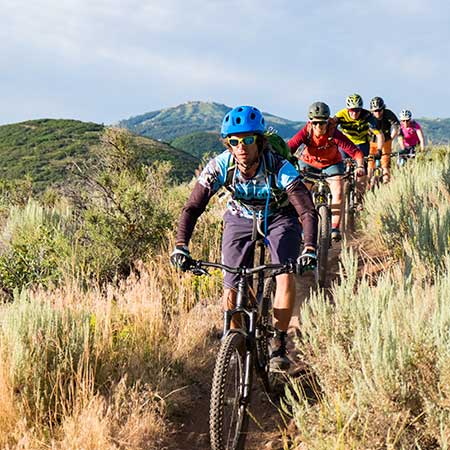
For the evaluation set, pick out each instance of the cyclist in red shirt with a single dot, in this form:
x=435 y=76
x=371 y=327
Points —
x=320 y=153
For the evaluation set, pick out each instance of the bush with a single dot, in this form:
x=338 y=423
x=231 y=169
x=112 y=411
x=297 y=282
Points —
x=37 y=246
x=123 y=211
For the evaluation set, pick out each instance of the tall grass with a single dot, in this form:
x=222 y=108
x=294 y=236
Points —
x=380 y=355
x=99 y=367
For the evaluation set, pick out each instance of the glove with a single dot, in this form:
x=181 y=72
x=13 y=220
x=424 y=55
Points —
x=307 y=260
x=404 y=151
x=180 y=257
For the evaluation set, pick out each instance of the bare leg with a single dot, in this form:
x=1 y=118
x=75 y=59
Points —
x=336 y=187
x=284 y=301
x=229 y=302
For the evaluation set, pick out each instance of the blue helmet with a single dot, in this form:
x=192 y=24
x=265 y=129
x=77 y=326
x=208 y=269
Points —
x=243 y=119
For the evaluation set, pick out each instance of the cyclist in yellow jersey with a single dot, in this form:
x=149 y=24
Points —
x=358 y=124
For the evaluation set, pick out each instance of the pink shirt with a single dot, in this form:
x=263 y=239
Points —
x=409 y=133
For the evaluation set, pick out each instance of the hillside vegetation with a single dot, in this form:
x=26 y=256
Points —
x=100 y=337
x=46 y=149
x=193 y=117
x=200 y=143
x=187 y=118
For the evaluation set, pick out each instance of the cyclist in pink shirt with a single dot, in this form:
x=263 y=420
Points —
x=411 y=133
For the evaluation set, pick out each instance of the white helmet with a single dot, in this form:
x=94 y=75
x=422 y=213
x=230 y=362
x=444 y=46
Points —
x=405 y=114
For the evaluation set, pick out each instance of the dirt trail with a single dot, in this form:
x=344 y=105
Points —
x=190 y=420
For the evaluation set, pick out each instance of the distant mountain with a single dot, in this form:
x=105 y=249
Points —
x=194 y=117
x=200 y=143
x=45 y=149
x=187 y=118
x=437 y=131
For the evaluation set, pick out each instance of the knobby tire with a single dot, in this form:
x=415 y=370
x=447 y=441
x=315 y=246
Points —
x=323 y=244
x=348 y=217
x=228 y=416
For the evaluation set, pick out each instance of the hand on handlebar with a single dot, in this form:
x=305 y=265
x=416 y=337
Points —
x=181 y=258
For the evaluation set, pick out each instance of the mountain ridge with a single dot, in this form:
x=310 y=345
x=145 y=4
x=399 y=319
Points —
x=194 y=116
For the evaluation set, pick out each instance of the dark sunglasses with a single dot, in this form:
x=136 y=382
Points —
x=377 y=110
x=354 y=110
x=318 y=122
x=246 y=140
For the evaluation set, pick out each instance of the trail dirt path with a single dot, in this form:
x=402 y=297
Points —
x=190 y=420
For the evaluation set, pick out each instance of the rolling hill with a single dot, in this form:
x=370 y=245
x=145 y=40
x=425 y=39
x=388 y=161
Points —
x=193 y=117
x=187 y=118
x=45 y=149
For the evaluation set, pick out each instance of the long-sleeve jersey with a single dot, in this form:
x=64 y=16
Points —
x=323 y=151
x=256 y=190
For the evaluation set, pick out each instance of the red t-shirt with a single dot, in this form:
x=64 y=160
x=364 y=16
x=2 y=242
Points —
x=323 y=151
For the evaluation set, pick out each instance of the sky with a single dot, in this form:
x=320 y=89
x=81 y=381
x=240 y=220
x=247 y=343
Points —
x=108 y=60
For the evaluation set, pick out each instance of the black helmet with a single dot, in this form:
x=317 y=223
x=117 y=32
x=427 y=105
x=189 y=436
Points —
x=319 y=110
x=377 y=103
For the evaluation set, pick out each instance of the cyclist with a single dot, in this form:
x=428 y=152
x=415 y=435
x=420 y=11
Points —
x=389 y=125
x=358 y=124
x=320 y=153
x=411 y=133
x=265 y=187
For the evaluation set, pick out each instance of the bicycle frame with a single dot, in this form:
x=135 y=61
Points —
x=322 y=198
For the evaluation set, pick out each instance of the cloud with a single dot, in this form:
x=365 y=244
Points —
x=137 y=56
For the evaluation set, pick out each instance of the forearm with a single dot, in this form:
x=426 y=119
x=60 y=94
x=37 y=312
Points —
x=190 y=213
x=380 y=140
x=301 y=200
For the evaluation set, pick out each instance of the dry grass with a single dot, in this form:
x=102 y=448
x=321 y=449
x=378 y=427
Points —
x=381 y=353
x=95 y=369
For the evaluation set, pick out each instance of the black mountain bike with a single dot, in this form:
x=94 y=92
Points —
x=243 y=350
x=321 y=194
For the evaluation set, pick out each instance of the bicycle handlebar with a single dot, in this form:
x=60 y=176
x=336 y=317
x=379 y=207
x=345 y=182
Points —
x=198 y=268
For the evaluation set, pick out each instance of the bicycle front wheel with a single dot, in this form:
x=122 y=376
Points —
x=348 y=216
x=230 y=394
x=323 y=244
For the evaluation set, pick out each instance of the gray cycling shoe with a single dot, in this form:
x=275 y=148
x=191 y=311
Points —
x=279 y=362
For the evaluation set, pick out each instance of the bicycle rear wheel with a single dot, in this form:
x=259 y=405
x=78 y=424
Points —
x=230 y=394
x=323 y=244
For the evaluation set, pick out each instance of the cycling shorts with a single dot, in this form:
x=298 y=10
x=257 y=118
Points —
x=283 y=234
x=334 y=169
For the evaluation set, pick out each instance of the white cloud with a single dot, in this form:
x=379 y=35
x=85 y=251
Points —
x=280 y=53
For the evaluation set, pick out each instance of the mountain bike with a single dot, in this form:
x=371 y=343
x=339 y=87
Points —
x=243 y=350
x=351 y=199
x=404 y=155
x=375 y=177
x=321 y=195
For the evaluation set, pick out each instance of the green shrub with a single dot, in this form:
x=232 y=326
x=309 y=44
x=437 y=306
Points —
x=124 y=210
x=36 y=246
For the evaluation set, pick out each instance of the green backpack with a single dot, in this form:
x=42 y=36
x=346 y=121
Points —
x=278 y=144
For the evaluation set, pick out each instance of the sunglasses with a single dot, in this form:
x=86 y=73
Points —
x=354 y=110
x=377 y=110
x=319 y=122
x=246 y=140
